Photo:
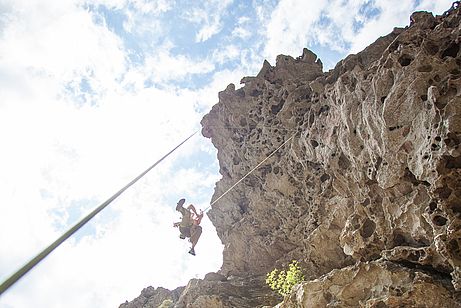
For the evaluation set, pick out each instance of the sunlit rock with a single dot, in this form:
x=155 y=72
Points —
x=367 y=194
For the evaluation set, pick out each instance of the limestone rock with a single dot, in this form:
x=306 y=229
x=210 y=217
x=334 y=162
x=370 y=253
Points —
x=367 y=193
x=374 y=284
x=244 y=292
x=374 y=168
x=152 y=297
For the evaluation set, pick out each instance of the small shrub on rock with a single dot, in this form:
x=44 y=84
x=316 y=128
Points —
x=283 y=281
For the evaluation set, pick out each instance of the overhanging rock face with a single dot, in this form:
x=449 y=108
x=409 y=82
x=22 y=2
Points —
x=367 y=195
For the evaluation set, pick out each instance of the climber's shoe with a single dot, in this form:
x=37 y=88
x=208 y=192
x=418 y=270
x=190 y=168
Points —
x=192 y=251
x=180 y=204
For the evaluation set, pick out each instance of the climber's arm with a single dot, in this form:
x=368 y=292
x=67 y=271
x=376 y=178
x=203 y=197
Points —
x=198 y=218
x=191 y=207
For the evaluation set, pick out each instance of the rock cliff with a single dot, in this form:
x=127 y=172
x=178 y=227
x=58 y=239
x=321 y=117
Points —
x=366 y=194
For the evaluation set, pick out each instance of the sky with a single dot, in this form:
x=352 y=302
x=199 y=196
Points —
x=94 y=92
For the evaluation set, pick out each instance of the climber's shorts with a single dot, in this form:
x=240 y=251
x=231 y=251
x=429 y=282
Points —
x=185 y=232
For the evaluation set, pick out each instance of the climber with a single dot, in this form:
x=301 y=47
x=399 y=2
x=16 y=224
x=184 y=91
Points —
x=189 y=226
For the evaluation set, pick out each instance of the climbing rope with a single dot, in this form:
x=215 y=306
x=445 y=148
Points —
x=42 y=255
x=257 y=166
x=32 y=263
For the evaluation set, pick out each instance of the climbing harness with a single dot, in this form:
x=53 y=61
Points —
x=257 y=166
x=32 y=263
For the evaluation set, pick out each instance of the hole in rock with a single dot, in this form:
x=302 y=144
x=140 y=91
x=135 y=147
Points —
x=455 y=72
x=399 y=239
x=343 y=162
x=314 y=143
x=323 y=109
x=324 y=177
x=453 y=247
x=410 y=177
x=240 y=93
x=393 y=47
x=452 y=162
x=243 y=206
x=452 y=140
x=450 y=51
x=392 y=128
x=443 y=192
x=381 y=304
x=431 y=48
x=432 y=206
x=439 y=220
x=256 y=92
x=413 y=255
x=327 y=295
x=368 y=228
x=276 y=108
x=425 y=68
x=456 y=208
x=405 y=60
x=311 y=119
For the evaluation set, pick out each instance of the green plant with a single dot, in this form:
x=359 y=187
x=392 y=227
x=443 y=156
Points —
x=283 y=281
x=166 y=304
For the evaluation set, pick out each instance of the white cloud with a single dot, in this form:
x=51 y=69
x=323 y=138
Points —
x=209 y=29
x=58 y=151
x=208 y=16
x=343 y=26
x=152 y=7
x=241 y=32
x=228 y=53
x=287 y=32
x=64 y=41
x=393 y=13
x=164 y=67
x=437 y=7
x=143 y=6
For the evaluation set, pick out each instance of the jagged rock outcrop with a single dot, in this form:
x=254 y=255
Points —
x=151 y=297
x=366 y=195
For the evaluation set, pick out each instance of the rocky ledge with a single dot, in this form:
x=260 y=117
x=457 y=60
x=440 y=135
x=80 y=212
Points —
x=367 y=193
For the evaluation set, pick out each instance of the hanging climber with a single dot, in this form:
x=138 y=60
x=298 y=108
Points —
x=189 y=224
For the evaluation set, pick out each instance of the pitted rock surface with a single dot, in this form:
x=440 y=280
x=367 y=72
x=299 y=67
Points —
x=368 y=190
x=373 y=284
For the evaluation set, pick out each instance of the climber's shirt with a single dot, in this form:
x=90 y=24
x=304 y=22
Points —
x=186 y=221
